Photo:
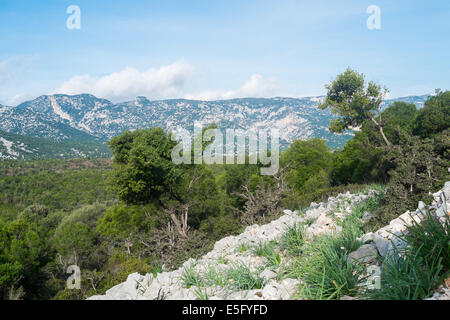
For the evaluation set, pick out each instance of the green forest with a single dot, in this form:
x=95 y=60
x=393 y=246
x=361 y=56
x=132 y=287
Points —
x=142 y=213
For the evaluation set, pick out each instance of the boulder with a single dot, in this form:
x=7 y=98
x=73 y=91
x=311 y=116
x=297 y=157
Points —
x=268 y=274
x=366 y=254
x=384 y=245
x=313 y=213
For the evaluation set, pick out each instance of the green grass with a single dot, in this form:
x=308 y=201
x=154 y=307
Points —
x=213 y=277
x=324 y=270
x=430 y=239
x=263 y=249
x=322 y=264
x=190 y=277
x=407 y=276
x=223 y=260
x=309 y=221
x=155 y=270
x=238 y=277
x=269 y=251
x=201 y=294
x=293 y=240
x=415 y=272
x=352 y=226
x=241 y=278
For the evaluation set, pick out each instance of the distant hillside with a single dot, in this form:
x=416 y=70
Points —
x=19 y=147
x=87 y=118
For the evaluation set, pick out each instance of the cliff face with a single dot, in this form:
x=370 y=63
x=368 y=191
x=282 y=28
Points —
x=233 y=254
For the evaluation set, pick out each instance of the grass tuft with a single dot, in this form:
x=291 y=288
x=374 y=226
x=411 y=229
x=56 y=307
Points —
x=407 y=276
x=293 y=240
x=268 y=250
x=190 y=277
x=242 y=278
x=413 y=273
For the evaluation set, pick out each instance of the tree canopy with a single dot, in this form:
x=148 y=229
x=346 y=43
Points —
x=143 y=169
x=353 y=101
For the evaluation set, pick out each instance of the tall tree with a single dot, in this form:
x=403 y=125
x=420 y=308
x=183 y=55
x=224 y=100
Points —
x=354 y=102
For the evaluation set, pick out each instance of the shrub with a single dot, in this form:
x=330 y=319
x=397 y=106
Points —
x=88 y=214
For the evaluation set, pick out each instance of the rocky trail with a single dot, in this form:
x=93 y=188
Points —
x=238 y=269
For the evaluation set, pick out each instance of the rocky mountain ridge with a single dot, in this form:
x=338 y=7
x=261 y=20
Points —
x=85 y=117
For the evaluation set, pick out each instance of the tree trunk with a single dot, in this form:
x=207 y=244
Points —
x=388 y=143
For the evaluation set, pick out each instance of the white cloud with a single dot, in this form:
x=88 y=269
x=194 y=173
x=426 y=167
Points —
x=163 y=82
x=155 y=83
x=255 y=87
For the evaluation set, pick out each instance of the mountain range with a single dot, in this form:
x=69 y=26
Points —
x=85 y=119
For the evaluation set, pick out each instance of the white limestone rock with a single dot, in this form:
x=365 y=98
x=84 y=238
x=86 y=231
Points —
x=366 y=254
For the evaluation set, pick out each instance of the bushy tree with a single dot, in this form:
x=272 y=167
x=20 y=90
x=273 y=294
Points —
x=122 y=221
x=434 y=117
x=354 y=102
x=398 y=116
x=418 y=170
x=88 y=215
x=362 y=160
x=305 y=159
x=24 y=253
x=10 y=268
x=143 y=169
x=358 y=162
x=235 y=177
x=75 y=241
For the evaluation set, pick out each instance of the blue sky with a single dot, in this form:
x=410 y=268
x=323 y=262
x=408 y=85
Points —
x=219 y=49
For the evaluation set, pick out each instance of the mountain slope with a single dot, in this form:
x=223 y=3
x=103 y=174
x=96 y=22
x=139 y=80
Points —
x=241 y=268
x=19 y=147
x=87 y=118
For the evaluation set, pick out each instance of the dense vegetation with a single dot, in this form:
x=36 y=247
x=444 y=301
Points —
x=142 y=213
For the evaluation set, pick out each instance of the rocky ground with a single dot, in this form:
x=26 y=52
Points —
x=203 y=279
